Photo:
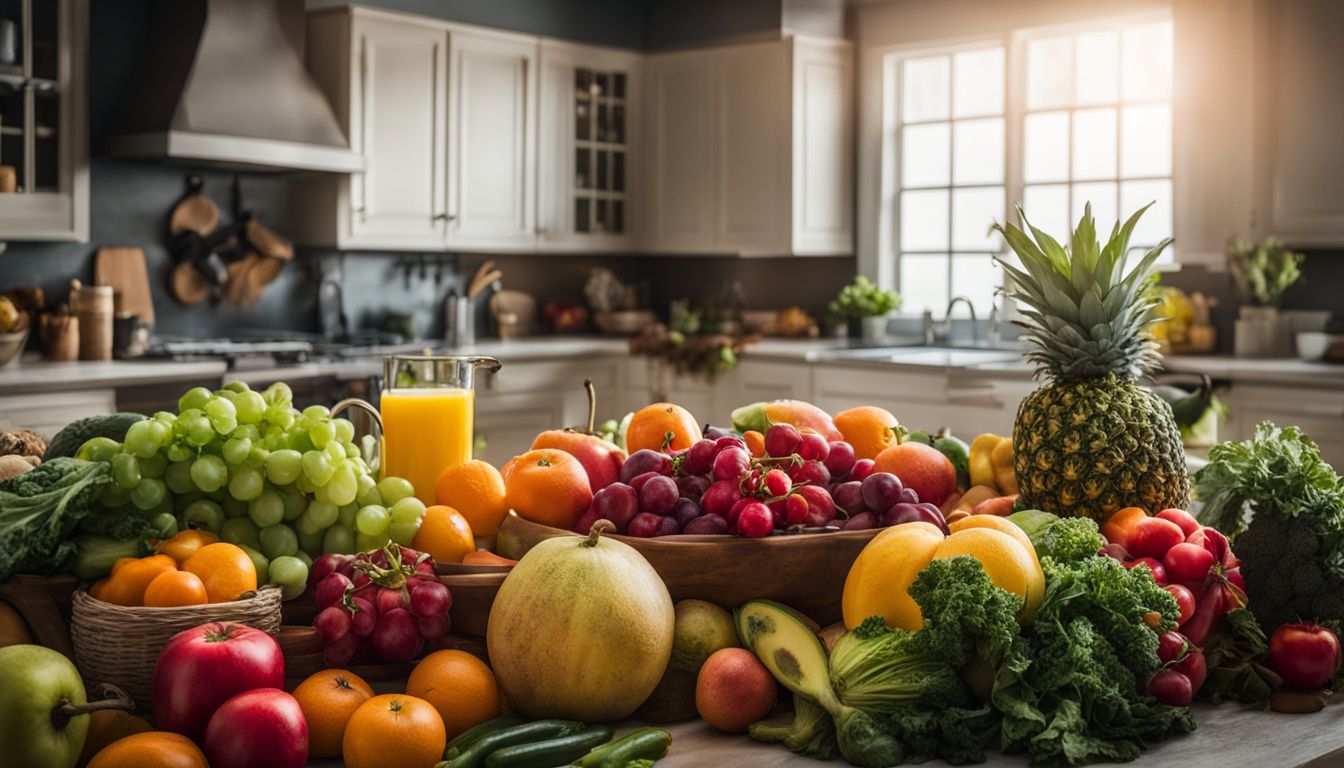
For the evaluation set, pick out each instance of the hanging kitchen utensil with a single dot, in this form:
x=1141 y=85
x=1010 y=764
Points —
x=272 y=250
x=194 y=212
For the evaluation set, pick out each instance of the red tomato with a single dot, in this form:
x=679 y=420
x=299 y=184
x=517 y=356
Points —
x=203 y=667
x=1187 y=562
x=1185 y=601
x=1159 y=573
x=1152 y=537
x=260 y=727
x=1187 y=522
x=1305 y=654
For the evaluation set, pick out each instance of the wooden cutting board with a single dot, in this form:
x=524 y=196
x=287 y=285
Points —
x=124 y=270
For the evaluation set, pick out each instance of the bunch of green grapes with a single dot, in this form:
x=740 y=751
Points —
x=252 y=469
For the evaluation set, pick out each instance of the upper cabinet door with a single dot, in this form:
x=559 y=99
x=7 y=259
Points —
x=492 y=142
x=823 y=148
x=587 y=147
x=398 y=124
x=681 y=190
x=753 y=91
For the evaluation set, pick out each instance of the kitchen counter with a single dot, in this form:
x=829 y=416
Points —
x=32 y=374
x=1287 y=370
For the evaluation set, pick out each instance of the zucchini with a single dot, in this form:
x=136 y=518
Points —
x=644 y=744
x=474 y=755
x=552 y=752
x=76 y=433
x=474 y=734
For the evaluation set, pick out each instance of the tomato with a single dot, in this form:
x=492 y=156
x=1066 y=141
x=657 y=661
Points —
x=152 y=749
x=1187 y=562
x=129 y=580
x=261 y=727
x=1305 y=654
x=1184 y=520
x=1159 y=573
x=1185 y=601
x=1152 y=537
x=201 y=668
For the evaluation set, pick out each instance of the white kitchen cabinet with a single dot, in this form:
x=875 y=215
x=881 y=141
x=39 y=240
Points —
x=588 y=147
x=492 y=141
x=1319 y=412
x=44 y=145
x=750 y=149
x=756 y=380
x=47 y=412
x=508 y=423
x=921 y=399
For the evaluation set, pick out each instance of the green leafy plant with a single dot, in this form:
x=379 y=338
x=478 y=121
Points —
x=1263 y=271
x=862 y=298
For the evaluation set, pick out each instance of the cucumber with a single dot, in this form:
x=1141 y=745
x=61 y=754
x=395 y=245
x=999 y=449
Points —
x=552 y=752
x=474 y=755
x=644 y=744
x=472 y=735
x=76 y=433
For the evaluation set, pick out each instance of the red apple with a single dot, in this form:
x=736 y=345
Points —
x=261 y=727
x=1305 y=654
x=201 y=668
x=601 y=459
x=1152 y=537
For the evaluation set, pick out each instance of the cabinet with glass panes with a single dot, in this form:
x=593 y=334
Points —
x=590 y=113
x=43 y=150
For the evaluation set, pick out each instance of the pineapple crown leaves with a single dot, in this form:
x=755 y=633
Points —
x=1084 y=313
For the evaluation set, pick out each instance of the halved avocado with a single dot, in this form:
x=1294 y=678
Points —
x=786 y=646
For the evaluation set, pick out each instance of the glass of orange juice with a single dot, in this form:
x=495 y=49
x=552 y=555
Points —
x=428 y=406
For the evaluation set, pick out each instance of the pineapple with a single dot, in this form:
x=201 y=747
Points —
x=1091 y=440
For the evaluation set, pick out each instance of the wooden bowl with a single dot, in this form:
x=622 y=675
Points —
x=805 y=571
x=473 y=594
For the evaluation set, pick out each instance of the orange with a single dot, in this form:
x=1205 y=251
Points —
x=475 y=489
x=549 y=487
x=486 y=558
x=1118 y=526
x=174 y=588
x=107 y=726
x=394 y=729
x=755 y=443
x=445 y=534
x=871 y=430
x=152 y=749
x=329 y=699
x=128 y=582
x=922 y=468
x=225 y=569
x=651 y=425
x=460 y=686
x=184 y=544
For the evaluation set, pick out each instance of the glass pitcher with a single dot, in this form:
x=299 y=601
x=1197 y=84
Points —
x=427 y=412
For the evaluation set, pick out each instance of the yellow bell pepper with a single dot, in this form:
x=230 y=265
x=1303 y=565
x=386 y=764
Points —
x=1004 y=476
x=991 y=463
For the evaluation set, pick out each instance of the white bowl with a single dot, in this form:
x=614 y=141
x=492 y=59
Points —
x=1312 y=345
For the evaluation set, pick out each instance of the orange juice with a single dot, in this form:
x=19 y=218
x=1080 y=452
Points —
x=424 y=432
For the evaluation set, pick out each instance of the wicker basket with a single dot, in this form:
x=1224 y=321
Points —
x=119 y=645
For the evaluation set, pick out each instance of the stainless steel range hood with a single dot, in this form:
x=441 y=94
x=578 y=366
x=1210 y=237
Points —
x=224 y=84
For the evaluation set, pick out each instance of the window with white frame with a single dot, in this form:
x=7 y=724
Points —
x=1090 y=110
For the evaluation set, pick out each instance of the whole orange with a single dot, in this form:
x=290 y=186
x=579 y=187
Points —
x=225 y=569
x=921 y=467
x=394 y=729
x=549 y=487
x=475 y=489
x=152 y=749
x=871 y=430
x=651 y=425
x=175 y=588
x=329 y=699
x=444 y=534
x=184 y=544
x=460 y=686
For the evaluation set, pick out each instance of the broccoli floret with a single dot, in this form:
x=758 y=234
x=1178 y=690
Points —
x=1070 y=540
x=1287 y=575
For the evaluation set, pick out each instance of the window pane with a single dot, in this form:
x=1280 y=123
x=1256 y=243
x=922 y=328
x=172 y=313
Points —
x=925 y=89
x=1156 y=221
x=1047 y=207
x=924 y=155
x=977 y=155
x=1097 y=75
x=923 y=283
x=1145 y=140
x=1094 y=144
x=1047 y=151
x=979 y=83
x=977 y=277
x=924 y=220
x=1146 y=72
x=1049 y=72
x=1102 y=197
x=973 y=210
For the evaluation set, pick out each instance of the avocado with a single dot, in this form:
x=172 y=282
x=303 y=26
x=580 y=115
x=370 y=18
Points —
x=787 y=647
x=959 y=453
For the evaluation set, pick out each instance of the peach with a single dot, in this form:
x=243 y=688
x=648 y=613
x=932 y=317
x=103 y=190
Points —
x=734 y=690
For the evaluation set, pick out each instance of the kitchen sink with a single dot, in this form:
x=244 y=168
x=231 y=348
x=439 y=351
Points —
x=940 y=357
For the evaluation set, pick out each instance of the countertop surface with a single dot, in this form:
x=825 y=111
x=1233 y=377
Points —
x=31 y=374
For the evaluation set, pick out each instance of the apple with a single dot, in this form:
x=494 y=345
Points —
x=262 y=726
x=201 y=668
x=35 y=684
x=601 y=459
x=1305 y=654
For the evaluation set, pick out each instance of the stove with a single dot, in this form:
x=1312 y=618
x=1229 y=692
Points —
x=258 y=349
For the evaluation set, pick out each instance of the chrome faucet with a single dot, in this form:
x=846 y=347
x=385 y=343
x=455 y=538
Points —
x=935 y=333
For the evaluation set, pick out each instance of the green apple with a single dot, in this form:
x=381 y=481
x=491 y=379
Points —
x=35 y=682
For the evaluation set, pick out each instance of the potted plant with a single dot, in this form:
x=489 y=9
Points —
x=864 y=307
x=1263 y=272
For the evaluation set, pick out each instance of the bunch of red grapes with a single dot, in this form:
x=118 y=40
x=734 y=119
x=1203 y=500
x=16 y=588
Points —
x=379 y=606
x=717 y=487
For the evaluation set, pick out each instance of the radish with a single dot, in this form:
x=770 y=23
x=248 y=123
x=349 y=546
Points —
x=1171 y=688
